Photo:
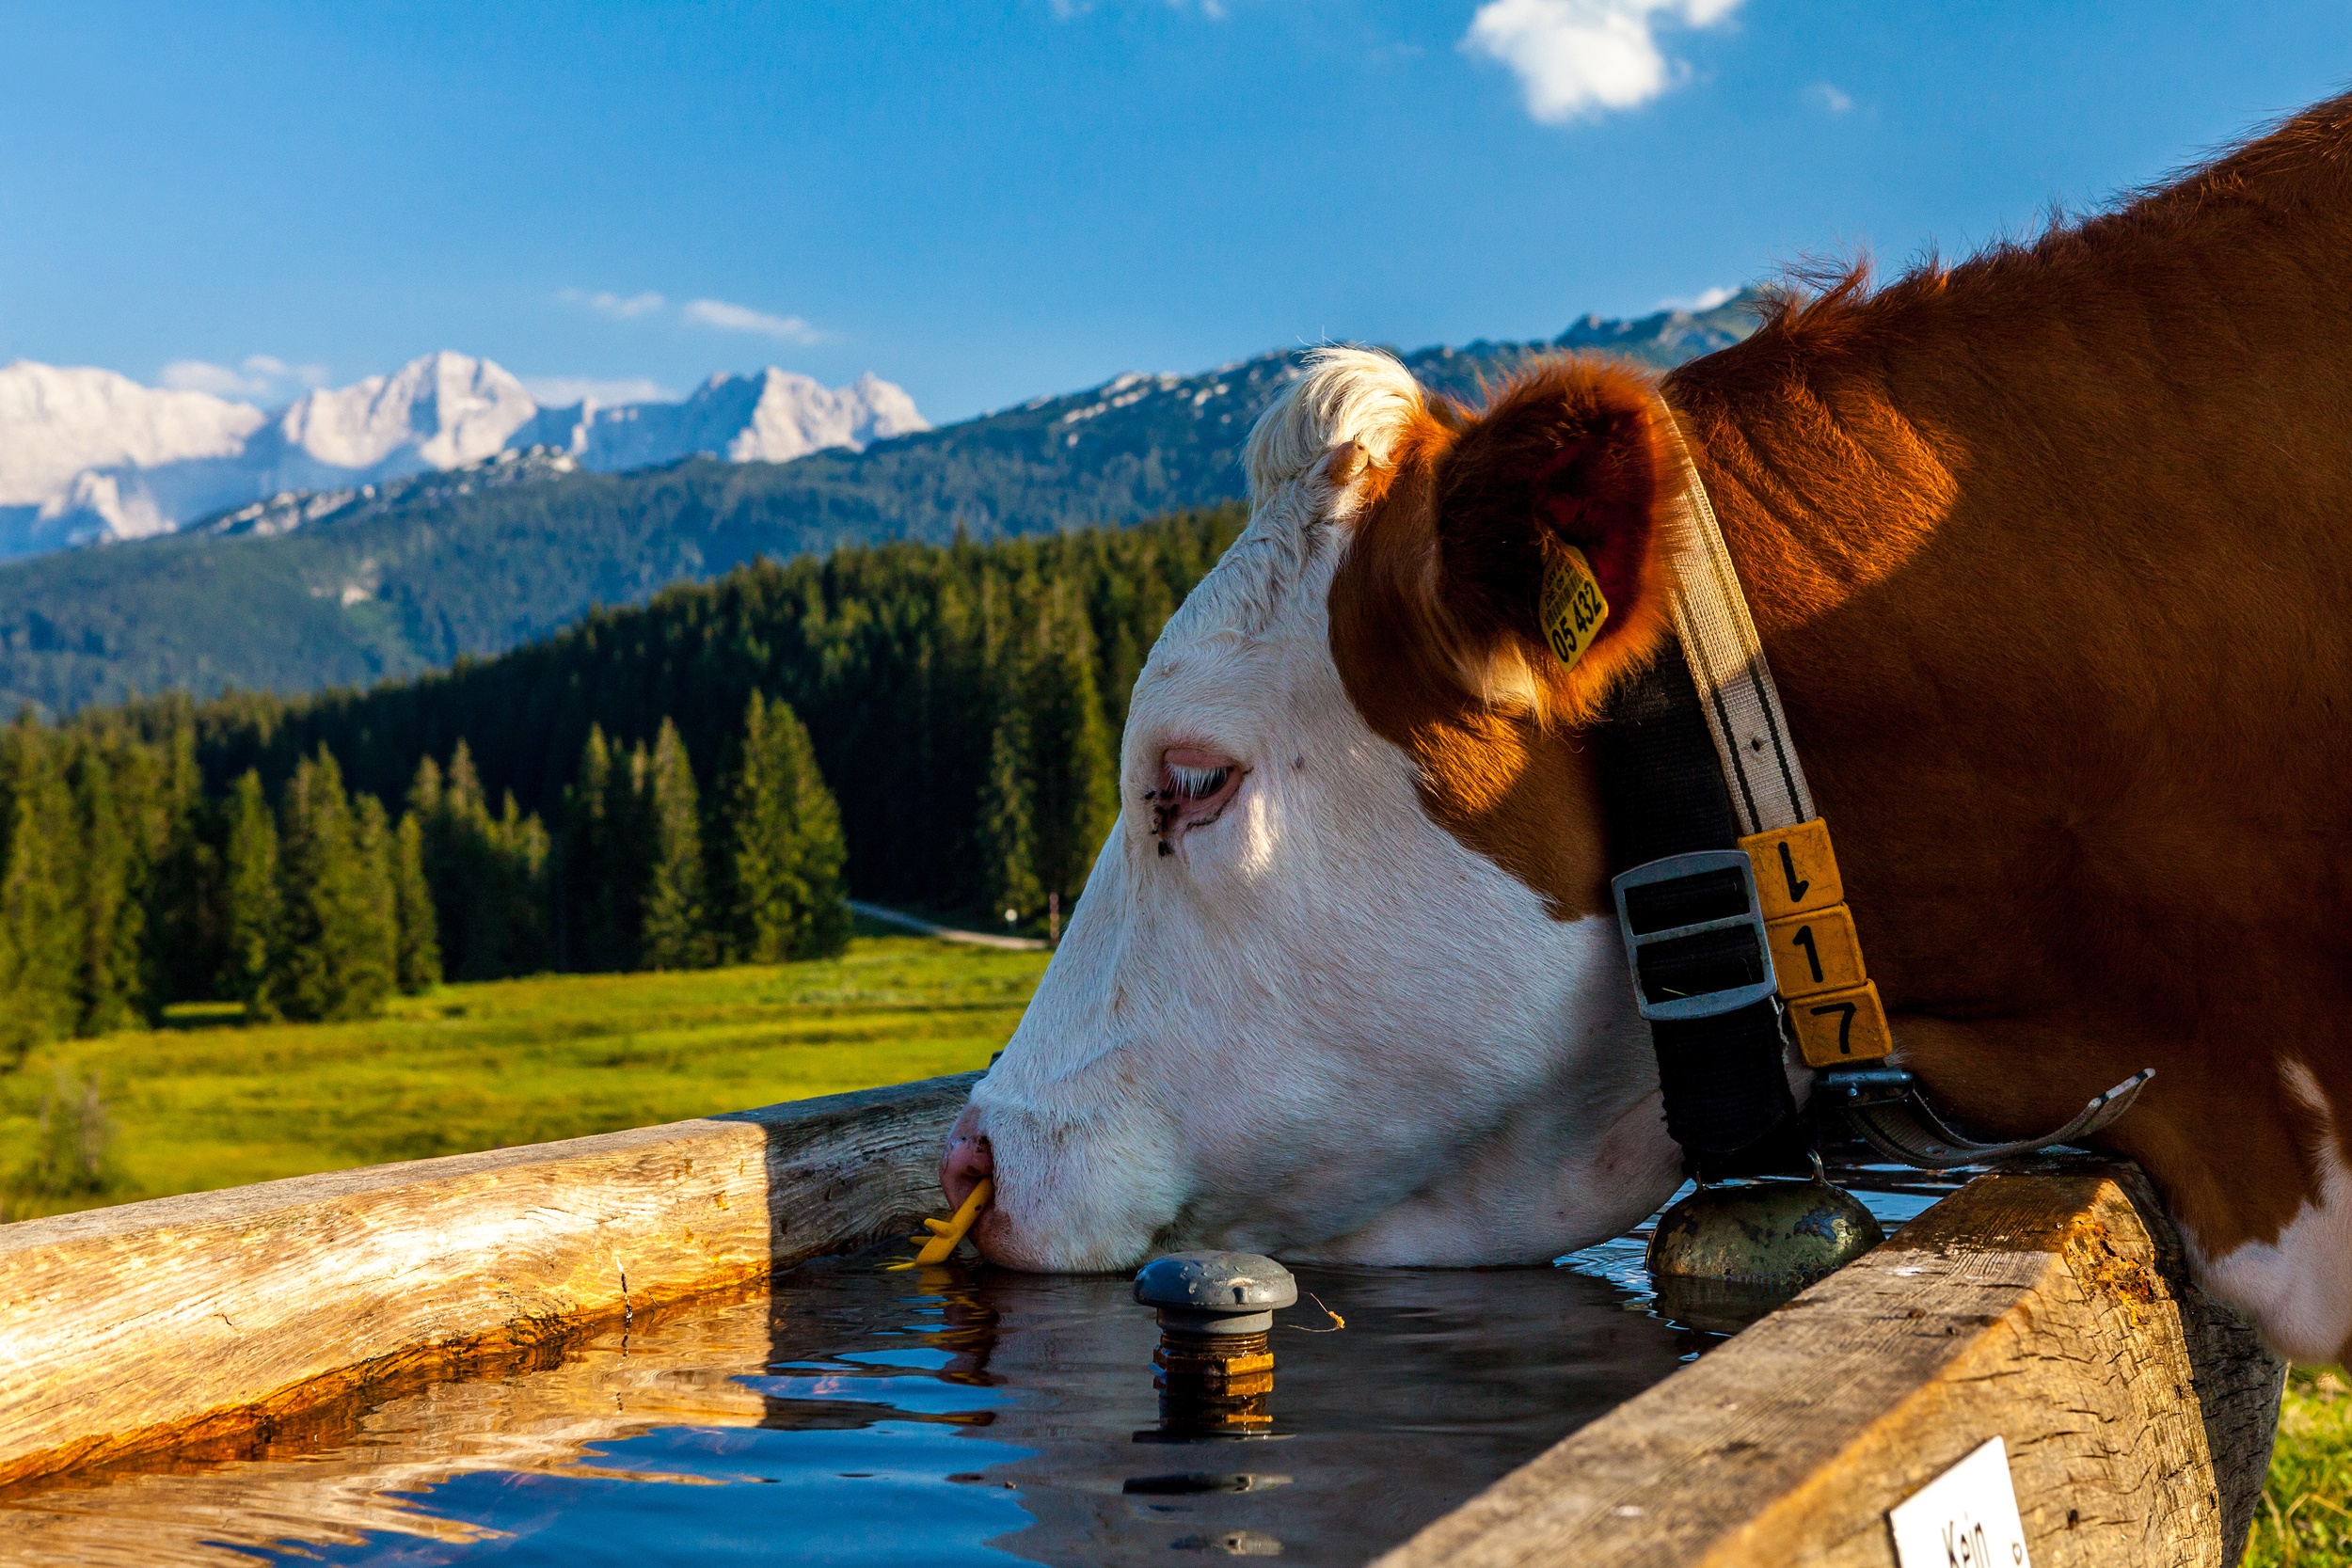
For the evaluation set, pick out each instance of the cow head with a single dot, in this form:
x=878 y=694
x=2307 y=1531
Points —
x=1341 y=985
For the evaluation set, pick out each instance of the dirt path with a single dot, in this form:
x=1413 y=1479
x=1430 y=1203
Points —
x=945 y=933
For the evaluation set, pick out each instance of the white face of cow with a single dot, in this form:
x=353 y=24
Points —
x=1294 y=1013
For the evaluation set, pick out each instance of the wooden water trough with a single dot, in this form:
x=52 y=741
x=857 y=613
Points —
x=2047 y=1306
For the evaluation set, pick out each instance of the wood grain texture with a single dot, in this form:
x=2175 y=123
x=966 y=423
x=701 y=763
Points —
x=2048 y=1306
x=356 y=1473
x=174 y=1321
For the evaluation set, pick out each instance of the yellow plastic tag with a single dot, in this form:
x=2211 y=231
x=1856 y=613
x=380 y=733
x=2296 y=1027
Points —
x=1795 y=869
x=1572 y=608
x=1816 y=952
x=1841 y=1026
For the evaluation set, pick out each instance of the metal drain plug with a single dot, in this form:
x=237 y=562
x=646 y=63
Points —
x=1215 y=1310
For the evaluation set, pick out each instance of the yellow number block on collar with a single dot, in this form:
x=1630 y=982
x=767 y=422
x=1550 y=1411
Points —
x=1795 y=869
x=1816 y=952
x=1838 y=1027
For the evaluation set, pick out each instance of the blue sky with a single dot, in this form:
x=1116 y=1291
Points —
x=989 y=201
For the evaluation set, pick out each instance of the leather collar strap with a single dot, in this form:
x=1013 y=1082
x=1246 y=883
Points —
x=1732 y=907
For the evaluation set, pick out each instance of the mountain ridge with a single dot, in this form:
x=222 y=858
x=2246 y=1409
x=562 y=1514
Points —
x=345 y=588
x=89 y=456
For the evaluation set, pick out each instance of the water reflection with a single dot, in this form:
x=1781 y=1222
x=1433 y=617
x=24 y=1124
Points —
x=860 y=1416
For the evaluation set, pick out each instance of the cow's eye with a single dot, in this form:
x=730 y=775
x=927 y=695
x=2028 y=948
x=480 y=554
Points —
x=1196 y=786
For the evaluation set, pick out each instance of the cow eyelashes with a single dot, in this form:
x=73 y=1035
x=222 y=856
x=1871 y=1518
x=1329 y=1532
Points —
x=1191 y=794
x=1194 y=783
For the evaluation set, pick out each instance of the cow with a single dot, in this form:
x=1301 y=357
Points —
x=2050 y=554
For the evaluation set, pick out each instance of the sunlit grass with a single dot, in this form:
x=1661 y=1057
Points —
x=2306 y=1517
x=208 y=1102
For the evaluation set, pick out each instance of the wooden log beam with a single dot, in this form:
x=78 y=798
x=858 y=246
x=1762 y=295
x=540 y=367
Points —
x=2049 y=1307
x=181 y=1319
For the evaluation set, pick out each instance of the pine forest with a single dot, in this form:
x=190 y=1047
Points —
x=701 y=780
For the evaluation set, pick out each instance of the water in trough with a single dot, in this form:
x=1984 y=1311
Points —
x=851 y=1415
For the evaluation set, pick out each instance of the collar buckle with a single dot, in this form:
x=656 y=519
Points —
x=1694 y=932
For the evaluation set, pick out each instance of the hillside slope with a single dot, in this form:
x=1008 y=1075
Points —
x=398 y=579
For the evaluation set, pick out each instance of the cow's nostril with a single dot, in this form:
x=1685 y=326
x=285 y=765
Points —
x=969 y=1159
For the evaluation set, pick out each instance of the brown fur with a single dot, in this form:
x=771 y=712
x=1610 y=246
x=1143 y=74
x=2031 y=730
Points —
x=1434 y=605
x=2051 y=552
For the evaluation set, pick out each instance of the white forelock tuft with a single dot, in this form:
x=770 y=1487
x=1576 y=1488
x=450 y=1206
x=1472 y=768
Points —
x=1346 y=394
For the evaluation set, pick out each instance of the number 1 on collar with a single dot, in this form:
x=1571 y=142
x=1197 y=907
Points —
x=1571 y=607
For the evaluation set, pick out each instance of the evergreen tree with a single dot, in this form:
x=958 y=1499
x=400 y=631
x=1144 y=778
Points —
x=336 y=961
x=782 y=851
x=424 y=788
x=629 y=850
x=1007 y=831
x=677 y=926
x=601 y=862
x=253 y=918
x=518 y=851
x=379 y=944
x=186 y=945
x=40 y=935
x=419 y=962
x=488 y=874
x=110 y=880
x=1074 y=758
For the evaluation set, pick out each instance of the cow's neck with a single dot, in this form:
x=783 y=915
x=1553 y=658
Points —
x=2006 y=588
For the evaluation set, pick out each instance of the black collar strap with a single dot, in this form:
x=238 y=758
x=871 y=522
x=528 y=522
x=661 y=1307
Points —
x=1687 y=903
x=1728 y=896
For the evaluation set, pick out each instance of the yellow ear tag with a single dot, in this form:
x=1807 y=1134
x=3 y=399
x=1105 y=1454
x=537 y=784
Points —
x=1572 y=608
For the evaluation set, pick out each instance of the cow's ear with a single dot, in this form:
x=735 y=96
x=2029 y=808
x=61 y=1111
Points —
x=1552 y=517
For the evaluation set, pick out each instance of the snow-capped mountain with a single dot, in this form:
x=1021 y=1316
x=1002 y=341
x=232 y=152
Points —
x=432 y=413
x=773 y=417
x=87 y=455
x=65 y=433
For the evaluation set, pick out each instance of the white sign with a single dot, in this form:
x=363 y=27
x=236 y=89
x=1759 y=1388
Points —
x=1965 y=1518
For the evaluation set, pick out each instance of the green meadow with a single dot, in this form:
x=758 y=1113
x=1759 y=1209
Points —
x=208 y=1102
x=2306 y=1517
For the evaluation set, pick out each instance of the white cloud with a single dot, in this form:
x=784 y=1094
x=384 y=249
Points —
x=1828 y=99
x=1706 y=299
x=562 y=391
x=1579 y=58
x=722 y=314
x=743 y=318
x=621 y=307
x=258 y=375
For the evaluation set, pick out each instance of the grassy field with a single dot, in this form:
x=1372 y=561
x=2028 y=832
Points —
x=2306 y=1520
x=209 y=1104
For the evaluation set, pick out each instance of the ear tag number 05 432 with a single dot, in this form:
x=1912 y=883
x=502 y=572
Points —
x=1571 y=608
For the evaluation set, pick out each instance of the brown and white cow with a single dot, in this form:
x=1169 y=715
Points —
x=2052 y=555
